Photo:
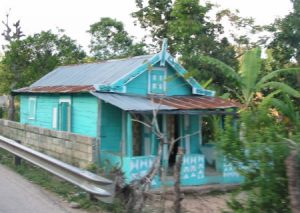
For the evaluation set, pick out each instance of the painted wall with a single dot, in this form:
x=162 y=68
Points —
x=84 y=114
x=84 y=111
x=44 y=106
x=175 y=85
x=111 y=127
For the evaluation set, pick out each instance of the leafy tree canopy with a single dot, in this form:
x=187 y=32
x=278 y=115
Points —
x=27 y=60
x=110 y=40
x=286 y=43
x=185 y=23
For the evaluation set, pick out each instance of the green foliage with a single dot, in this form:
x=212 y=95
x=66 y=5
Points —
x=27 y=60
x=286 y=43
x=193 y=34
x=251 y=79
x=258 y=153
x=110 y=40
x=190 y=33
x=154 y=15
x=288 y=113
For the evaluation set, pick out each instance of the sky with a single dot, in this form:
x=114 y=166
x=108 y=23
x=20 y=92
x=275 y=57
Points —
x=75 y=16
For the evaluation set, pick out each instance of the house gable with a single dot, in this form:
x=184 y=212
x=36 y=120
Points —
x=160 y=61
x=172 y=85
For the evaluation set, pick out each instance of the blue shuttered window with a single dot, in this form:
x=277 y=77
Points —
x=157 y=83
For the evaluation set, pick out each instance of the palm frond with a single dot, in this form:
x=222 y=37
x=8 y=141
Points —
x=268 y=99
x=277 y=73
x=224 y=68
x=250 y=69
x=282 y=87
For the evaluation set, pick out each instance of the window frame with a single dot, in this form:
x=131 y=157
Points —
x=158 y=85
x=59 y=117
x=32 y=107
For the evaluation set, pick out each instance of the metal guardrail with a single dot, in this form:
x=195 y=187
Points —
x=86 y=180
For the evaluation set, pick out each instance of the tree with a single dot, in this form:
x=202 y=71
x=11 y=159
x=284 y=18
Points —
x=286 y=43
x=26 y=60
x=258 y=155
x=154 y=15
x=190 y=32
x=12 y=36
x=110 y=40
x=250 y=79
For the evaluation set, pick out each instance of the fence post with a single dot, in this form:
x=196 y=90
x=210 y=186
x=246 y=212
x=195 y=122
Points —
x=18 y=160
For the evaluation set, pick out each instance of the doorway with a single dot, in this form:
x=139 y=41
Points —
x=173 y=133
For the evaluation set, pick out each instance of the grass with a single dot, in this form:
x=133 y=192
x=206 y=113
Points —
x=54 y=184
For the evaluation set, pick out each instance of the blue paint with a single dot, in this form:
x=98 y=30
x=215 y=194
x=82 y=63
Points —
x=84 y=114
x=44 y=107
x=194 y=138
x=197 y=88
x=138 y=86
x=129 y=137
x=193 y=169
x=111 y=128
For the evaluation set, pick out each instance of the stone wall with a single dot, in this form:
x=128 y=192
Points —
x=71 y=148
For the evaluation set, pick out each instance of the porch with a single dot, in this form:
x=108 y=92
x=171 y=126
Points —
x=190 y=128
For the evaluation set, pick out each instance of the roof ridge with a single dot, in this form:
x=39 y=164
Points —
x=106 y=61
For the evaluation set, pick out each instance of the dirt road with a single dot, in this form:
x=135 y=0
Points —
x=18 y=195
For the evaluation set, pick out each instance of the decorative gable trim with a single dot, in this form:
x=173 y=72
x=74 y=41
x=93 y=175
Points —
x=119 y=86
x=197 y=88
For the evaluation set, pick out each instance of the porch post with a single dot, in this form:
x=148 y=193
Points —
x=153 y=142
x=200 y=130
x=129 y=144
x=182 y=132
x=165 y=145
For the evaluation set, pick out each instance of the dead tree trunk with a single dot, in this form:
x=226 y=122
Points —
x=177 y=169
x=135 y=194
x=11 y=107
x=291 y=164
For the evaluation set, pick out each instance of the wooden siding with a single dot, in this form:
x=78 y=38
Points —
x=84 y=115
x=139 y=85
x=111 y=128
x=44 y=106
x=83 y=108
x=175 y=85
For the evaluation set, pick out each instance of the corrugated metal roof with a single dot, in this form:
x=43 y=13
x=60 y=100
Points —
x=93 y=73
x=197 y=102
x=131 y=103
x=55 y=89
x=136 y=103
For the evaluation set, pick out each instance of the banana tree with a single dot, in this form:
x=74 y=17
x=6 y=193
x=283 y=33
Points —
x=250 y=78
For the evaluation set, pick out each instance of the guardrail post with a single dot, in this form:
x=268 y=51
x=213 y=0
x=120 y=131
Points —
x=92 y=197
x=18 y=160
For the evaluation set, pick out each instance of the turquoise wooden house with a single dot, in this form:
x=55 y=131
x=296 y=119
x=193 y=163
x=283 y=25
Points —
x=101 y=100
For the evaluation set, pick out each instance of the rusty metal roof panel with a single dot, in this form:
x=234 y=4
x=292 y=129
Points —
x=138 y=103
x=131 y=103
x=93 y=73
x=55 y=89
x=196 y=102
